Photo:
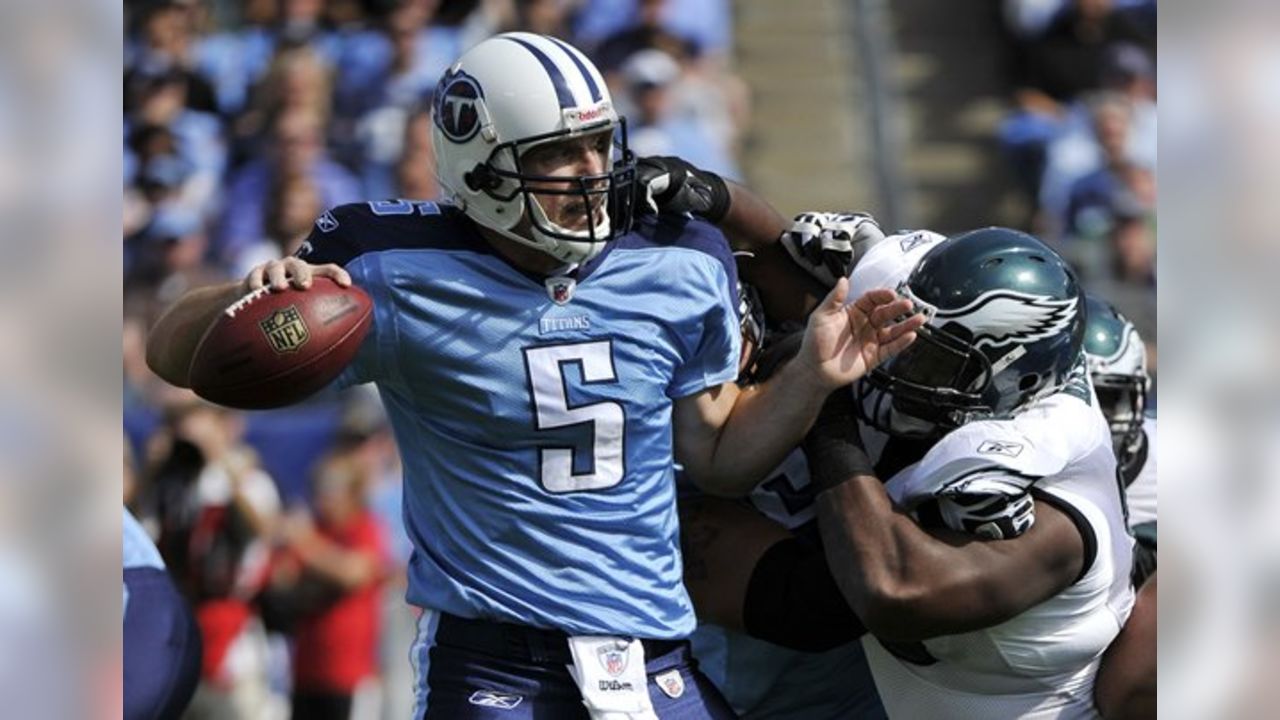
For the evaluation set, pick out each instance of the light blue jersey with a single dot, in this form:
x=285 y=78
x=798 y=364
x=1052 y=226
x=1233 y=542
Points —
x=535 y=418
x=138 y=550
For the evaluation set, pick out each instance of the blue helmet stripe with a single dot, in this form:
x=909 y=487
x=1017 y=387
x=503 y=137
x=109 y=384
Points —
x=563 y=94
x=582 y=68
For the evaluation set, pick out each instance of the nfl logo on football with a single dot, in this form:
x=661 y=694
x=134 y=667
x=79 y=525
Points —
x=285 y=330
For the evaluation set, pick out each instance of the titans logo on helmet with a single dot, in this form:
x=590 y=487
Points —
x=455 y=106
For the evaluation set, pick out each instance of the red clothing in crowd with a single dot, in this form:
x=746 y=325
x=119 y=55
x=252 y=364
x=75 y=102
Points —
x=338 y=647
x=221 y=622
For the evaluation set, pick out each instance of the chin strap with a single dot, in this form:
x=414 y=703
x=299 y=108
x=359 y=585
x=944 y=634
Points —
x=570 y=259
x=549 y=245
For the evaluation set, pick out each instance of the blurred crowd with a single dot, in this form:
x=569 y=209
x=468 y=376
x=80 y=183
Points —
x=1082 y=138
x=243 y=121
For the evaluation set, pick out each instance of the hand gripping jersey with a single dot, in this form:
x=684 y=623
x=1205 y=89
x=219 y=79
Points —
x=534 y=415
x=1056 y=450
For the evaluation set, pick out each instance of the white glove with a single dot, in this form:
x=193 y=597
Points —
x=829 y=245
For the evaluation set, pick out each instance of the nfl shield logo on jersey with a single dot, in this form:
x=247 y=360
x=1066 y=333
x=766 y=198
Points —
x=560 y=289
x=613 y=659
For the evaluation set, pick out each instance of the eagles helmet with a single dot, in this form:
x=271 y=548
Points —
x=1006 y=322
x=514 y=92
x=1118 y=363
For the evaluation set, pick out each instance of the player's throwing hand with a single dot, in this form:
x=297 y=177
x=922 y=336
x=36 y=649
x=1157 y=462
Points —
x=280 y=274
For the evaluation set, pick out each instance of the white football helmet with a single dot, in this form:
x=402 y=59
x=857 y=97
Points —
x=513 y=92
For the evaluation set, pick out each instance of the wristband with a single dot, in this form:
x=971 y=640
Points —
x=833 y=446
x=834 y=459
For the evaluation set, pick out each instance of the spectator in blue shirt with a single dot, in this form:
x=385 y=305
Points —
x=379 y=110
x=661 y=128
x=298 y=150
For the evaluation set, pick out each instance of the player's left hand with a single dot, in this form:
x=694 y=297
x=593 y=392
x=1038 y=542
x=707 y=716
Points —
x=843 y=342
x=667 y=184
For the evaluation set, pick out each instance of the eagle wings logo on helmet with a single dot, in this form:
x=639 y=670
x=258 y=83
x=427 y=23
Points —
x=1002 y=316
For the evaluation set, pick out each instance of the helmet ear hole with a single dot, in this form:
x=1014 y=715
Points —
x=480 y=178
x=1028 y=381
x=958 y=330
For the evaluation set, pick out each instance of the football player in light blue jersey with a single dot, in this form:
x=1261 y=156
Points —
x=544 y=364
x=161 y=640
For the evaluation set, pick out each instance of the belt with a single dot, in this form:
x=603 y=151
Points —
x=523 y=642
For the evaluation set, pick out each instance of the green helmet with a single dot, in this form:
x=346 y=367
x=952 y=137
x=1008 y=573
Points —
x=1118 y=363
x=1006 y=322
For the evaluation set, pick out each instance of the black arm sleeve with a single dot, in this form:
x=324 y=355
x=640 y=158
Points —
x=834 y=445
x=792 y=600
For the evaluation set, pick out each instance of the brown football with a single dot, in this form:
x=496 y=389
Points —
x=271 y=349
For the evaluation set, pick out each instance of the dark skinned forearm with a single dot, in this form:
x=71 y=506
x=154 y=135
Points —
x=910 y=584
x=752 y=226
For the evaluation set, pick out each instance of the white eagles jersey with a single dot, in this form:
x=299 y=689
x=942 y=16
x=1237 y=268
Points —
x=889 y=262
x=1141 y=493
x=1041 y=663
x=986 y=478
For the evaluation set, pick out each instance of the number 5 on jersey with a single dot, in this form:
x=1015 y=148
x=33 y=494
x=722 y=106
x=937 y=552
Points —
x=549 y=385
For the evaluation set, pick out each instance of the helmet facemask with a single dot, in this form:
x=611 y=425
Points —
x=936 y=385
x=751 y=323
x=945 y=379
x=1123 y=399
x=1118 y=364
x=607 y=196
